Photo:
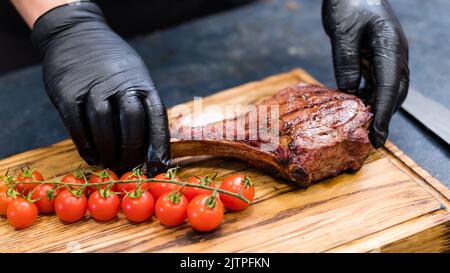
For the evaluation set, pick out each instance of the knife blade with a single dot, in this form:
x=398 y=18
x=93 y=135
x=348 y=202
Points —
x=430 y=113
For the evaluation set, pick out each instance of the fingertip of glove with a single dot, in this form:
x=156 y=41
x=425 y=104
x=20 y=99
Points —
x=378 y=136
x=90 y=160
x=158 y=160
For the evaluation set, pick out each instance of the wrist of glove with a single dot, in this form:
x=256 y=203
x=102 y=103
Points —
x=101 y=89
x=368 y=42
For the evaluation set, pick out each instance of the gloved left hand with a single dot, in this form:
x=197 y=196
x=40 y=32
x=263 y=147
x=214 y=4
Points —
x=102 y=90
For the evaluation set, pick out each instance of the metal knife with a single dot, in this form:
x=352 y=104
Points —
x=430 y=113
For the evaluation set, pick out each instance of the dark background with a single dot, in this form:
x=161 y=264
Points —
x=128 y=18
x=195 y=48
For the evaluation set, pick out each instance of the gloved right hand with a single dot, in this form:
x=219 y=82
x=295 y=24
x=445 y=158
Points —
x=102 y=89
x=368 y=41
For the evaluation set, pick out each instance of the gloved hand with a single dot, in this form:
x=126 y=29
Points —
x=102 y=89
x=368 y=40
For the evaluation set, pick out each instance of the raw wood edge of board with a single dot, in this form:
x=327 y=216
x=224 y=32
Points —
x=433 y=240
x=399 y=155
x=396 y=235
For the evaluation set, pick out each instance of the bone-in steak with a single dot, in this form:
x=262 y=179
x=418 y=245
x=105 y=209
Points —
x=319 y=133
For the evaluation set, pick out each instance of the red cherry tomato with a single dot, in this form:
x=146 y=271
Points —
x=136 y=174
x=5 y=182
x=100 y=176
x=5 y=199
x=28 y=175
x=159 y=188
x=138 y=209
x=191 y=192
x=70 y=208
x=77 y=177
x=205 y=212
x=237 y=183
x=171 y=209
x=2 y=186
x=104 y=208
x=21 y=213
x=43 y=203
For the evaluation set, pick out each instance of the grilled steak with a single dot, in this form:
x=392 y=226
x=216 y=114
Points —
x=319 y=133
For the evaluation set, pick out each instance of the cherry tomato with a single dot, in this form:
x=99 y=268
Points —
x=77 y=177
x=104 y=208
x=28 y=175
x=123 y=188
x=100 y=176
x=205 y=212
x=70 y=208
x=5 y=182
x=2 y=186
x=21 y=213
x=171 y=208
x=191 y=192
x=237 y=183
x=159 y=188
x=43 y=203
x=138 y=209
x=5 y=199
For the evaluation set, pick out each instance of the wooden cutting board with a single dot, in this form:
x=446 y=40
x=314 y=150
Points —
x=390 y=205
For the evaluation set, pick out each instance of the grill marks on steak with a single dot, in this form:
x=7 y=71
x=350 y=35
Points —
x=322 y=132
x=326 y=131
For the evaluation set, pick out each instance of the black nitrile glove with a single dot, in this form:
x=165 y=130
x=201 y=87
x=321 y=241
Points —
x=368 y=40
x=102 y=90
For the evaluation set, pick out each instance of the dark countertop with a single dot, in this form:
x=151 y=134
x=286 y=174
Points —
x=227 y=49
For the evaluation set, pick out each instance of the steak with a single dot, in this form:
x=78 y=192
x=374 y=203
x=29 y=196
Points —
x=317 y=133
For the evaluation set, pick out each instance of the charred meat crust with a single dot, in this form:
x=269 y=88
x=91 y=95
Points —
x=323 y=132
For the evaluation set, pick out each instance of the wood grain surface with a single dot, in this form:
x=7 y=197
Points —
x=390 y=205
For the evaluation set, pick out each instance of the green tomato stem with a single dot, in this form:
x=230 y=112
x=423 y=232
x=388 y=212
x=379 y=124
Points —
x=149 y=180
